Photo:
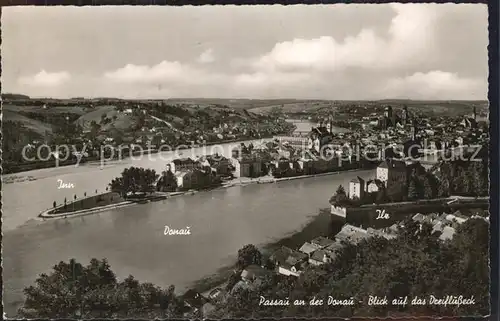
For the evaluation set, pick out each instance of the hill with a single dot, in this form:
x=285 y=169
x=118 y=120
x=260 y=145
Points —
x=43 y=115
x=119 y=120
x=14 y=96
x=34 y=125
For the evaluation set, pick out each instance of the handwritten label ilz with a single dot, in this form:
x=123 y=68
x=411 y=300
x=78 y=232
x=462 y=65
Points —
x=64 y=185
x=170 y=231
x=382 y=215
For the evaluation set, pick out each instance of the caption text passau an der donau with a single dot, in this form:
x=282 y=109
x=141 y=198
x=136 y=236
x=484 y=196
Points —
x=374 y=301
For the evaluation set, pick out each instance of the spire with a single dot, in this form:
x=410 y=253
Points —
x=414 y=130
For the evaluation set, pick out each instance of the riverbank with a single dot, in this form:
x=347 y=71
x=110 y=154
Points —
x=122 y=234
x=21 y=168
x=69 y=211
x=97 y=203
x=242 y=181
x=17 y=179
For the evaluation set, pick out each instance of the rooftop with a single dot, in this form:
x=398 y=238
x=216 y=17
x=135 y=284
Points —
x=391 y=163
x=185 y=160
x=253 y=271
x=357 y=180
x=319 y=255
x=322 y=241
x=447 y=233
x=309 y=248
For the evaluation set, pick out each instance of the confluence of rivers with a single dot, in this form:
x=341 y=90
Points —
x=131 y=238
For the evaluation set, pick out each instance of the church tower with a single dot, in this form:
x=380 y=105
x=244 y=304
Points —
x=405 y=115
x=475 y=114
x=414 y=130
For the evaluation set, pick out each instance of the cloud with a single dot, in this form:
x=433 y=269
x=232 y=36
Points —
x=207 y=57
x=410 y=35
x=175 y=79
x=436 y=85
x=45 y=79
x=163 y=71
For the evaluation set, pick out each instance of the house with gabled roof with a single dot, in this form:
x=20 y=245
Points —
x=308 y=248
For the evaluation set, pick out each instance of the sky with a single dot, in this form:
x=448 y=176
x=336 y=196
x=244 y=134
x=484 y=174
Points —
x=339 y=52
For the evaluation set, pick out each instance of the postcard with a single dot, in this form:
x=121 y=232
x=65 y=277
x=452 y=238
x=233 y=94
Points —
x=315 y=161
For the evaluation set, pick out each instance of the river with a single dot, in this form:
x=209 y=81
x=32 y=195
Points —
x=304 y=126
x=131 y=238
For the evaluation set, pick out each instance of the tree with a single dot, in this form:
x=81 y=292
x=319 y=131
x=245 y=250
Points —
x=248 y=255
x=380 y=196
x=415 y=263
x=134 y=179
x=233 y=279
x=72 y=290
x=428 y=188
x=156 y=141
x=167 y=182
x=444 y=187
x=413 y=189
x=340 y=197
x=54 y=204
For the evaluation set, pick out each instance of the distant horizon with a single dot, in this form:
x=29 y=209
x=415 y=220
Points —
x=259 y=99
x=345 y=52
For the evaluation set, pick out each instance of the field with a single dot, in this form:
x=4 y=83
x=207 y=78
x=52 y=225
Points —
x=35 y=125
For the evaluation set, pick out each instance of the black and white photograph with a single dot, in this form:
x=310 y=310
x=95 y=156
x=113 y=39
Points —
x=253 y=161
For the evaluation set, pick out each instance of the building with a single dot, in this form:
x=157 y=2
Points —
x=319 y=137
x=293 y=141
x=193 y=301
x=221 y=165
x=308 y=248
x=386 y=233
x=414 y=131
x=314 y=143
x=392 y=171
x=338 y=211
x=447 y=233
x=319 y=257
x=333 y=249
x=352 y=234
x=253 y=272
x=322 y=242
x=181 y=164
x=194 y=179
x=357 y=188
x=372 y=186
x=388 y=112
x=289 y=262
x=389 y=119
x=405 y=116
x=247 y=167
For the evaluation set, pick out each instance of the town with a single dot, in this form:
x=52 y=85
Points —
x=432 y=192
x=248 y=162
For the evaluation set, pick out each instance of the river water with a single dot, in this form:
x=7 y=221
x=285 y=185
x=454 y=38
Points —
x=303 y=126
x=131 y=238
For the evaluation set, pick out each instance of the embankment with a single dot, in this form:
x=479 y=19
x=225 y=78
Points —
x=95 y=204
x=47 y=215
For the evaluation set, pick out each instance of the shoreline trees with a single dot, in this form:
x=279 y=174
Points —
x=134 y=180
